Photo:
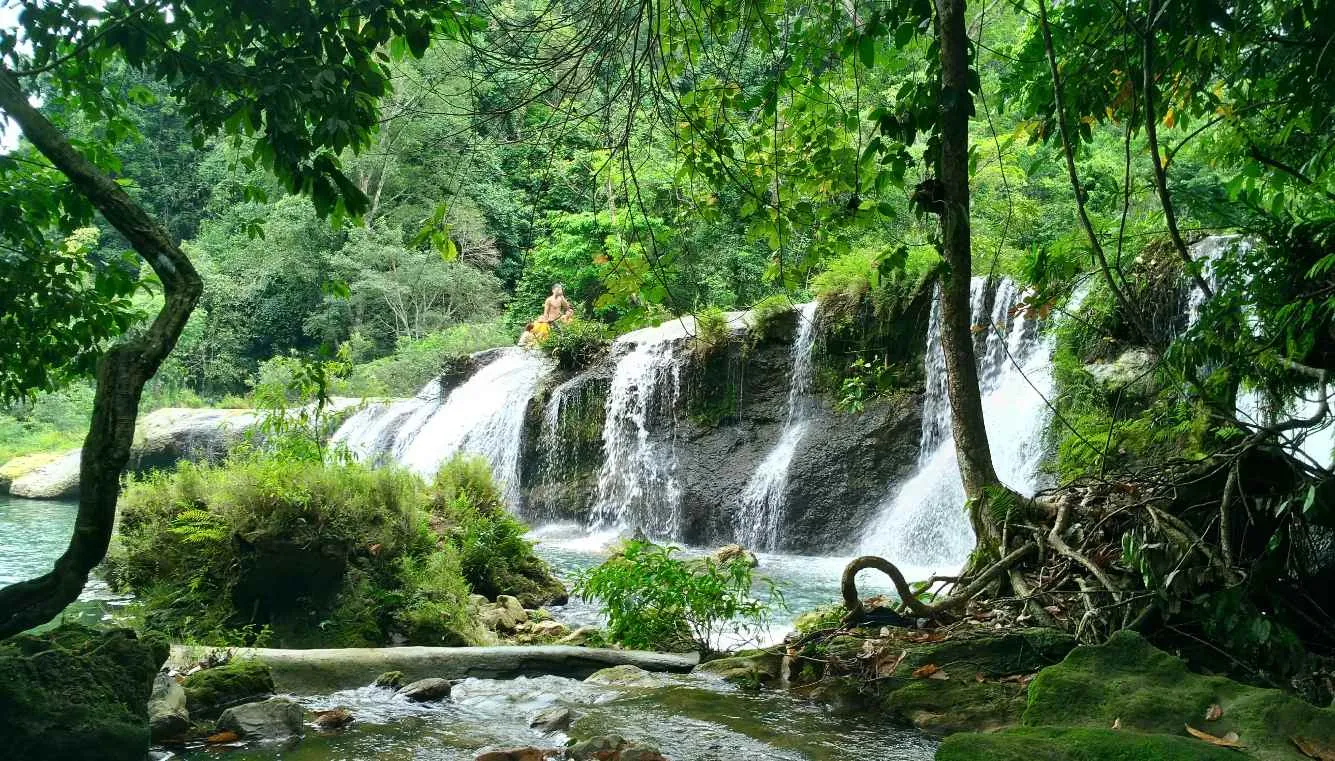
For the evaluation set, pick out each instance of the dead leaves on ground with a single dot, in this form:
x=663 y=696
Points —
x=929 y=671
x=1229 y=740
x=1313 y=748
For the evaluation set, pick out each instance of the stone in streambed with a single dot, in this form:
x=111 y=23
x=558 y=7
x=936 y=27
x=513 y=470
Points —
x=613 y=748
x=427 y=690
x=391 y=680
x=210 y=691
x=757 y=670
x=729 y=553
x=624 y=675
x=552 y=719
x=271 y=720
x=334 y=718
x=168 y=717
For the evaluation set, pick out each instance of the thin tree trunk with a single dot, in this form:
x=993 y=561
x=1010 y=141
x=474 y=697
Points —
x=1068 y=150
x=121 y=373
x=966 y=403
x=1152 y=138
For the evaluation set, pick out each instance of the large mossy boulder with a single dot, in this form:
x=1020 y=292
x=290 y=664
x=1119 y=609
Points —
x=210 y=691
x=1128 y=700
x=76 y=694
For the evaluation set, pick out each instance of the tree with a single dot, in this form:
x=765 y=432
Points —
x=298 y=82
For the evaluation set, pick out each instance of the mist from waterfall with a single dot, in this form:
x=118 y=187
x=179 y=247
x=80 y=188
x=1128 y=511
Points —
x=923 y=523
x=637 y=484
x=482 y=416
x=760 y=518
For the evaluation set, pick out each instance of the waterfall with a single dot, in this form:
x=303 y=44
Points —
x=1316 y=444
x=483 y=416
x=637 y=484
x=761 y=516
x=923 y=523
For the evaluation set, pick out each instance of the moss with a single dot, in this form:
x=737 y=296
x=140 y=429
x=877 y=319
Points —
x=1077 y=744
x=74 y=693
x=749 y=671
x=1016 y=652
x=958 y=704
x=209 y=691
x=1146 y=689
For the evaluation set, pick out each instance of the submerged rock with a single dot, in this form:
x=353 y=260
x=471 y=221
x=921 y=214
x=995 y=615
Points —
x=334 y=718
x=76 y=694
x=210 y=691
x=731 y=552
x=391 y=680
x=613 y=748
x=528 y=753
x=168 y=716
x=269 y=720
x=427 y=690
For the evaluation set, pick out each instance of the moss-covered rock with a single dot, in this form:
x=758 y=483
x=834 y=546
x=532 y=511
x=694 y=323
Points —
x=210 y=691
x=992 y=655
x=963 y=704
x=753 y=670
x=1143 y=688
x=74 y=693
x=1077 y=744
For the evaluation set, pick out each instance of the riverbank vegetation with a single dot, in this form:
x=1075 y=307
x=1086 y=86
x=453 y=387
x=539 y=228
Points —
x=270 y=550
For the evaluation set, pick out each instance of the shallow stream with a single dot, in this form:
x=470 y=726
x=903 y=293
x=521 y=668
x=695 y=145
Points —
x=691 y=718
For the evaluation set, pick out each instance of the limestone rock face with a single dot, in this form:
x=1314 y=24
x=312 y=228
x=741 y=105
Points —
x=57 y=478
x=164 y=437
x=168 y=717
x=269 y=720
x=20 y=466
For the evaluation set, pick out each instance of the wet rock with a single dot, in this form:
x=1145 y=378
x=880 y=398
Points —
x=20 y=466
x=729 y=553
x=613 y=748
x=55 y=479
x=168 y=717
x=1132 y=372
x=269 y=720
x=579 y=637
x=761 y=669
x=427 y=690
x=222 y=738
x=543 y=631
x=552 y=720
x=625 y=675
x=334 y=718
x=529 y=753
x=506 y=615
x=392 y=680
x=210 y=691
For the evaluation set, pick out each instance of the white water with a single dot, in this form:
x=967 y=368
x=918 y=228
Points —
x=923 y=523
x=483 y=416
x=1316 y=444
x=761 y=515
x=637 y=484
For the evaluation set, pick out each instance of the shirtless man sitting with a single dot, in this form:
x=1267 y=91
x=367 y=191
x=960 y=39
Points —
x=556 y=307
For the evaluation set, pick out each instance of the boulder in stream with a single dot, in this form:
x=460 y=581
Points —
x=427 y=690
x=168 y=717
x=272 y=720
x=625 y=675
x=210 y=691
x=556 y=719
x=613 y=748
x=527 y=753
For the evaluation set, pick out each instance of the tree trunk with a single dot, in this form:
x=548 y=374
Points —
x=121 y=372
x=966 y=403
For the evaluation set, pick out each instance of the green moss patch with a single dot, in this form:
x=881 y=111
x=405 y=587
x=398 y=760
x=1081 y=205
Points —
x=209 y=691
x=74 y=693
x=1077 y=744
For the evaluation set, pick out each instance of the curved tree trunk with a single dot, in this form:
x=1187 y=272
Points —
x=121 y=372
x=966 y=402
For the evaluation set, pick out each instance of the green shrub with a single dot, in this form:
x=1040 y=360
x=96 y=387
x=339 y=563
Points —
x=577 y=345
x=767 y=310
x=711 y=330
x=655 y=600
x=493 y=555
x=414 y=362
x=302 y=552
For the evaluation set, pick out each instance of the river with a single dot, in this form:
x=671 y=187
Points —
x=691 y=718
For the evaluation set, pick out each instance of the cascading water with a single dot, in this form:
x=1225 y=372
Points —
x=637 y=484
x=483 y=416
x=923 y=524
x=761 y=515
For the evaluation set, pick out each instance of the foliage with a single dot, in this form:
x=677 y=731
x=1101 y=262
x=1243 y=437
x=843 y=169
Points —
x=766 y=311
x=333 y=554
x=417 y=361
x=576 y=345
x=656 y=601
x=711 y=331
